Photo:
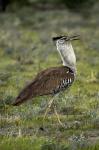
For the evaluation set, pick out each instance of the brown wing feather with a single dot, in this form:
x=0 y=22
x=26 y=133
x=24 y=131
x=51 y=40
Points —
x=44 y=83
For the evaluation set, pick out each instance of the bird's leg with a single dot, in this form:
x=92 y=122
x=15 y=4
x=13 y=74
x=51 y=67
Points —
x=58 y=118
x=49 y=106
x=54 y=107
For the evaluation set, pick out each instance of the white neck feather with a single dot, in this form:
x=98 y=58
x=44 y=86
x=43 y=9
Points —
x=67 y=54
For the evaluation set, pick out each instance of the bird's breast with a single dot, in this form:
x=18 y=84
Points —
x=64 y=84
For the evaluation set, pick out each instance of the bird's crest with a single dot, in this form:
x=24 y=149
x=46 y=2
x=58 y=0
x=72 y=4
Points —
x=67 y=38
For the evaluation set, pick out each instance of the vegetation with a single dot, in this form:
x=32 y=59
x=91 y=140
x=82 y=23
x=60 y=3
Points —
x=25 y=49
x=76 y=6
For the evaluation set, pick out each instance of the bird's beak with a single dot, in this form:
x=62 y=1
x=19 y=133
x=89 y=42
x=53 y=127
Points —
x=75 y=37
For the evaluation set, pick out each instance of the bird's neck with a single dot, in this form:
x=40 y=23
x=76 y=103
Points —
x=67 y=55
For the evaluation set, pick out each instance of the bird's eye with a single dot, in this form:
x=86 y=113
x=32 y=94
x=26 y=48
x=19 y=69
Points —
x=61 y=41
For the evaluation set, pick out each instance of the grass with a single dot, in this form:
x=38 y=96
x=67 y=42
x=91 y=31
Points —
x=25 y=49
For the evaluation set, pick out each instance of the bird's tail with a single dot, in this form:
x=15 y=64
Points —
x=23 y=96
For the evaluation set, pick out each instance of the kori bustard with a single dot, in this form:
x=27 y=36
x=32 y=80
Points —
x=53 y=80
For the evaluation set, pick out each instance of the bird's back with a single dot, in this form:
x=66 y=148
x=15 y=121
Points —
x=49 y=81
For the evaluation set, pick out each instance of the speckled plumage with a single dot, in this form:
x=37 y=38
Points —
x=49 y=81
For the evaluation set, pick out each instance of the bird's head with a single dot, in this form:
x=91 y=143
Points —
x=62 y=40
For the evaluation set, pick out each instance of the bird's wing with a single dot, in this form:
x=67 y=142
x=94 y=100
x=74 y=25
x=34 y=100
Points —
x=44 y=83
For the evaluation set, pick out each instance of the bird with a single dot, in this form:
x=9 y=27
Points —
x=54 y=80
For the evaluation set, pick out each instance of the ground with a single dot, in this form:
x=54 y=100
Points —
x=26 y=48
